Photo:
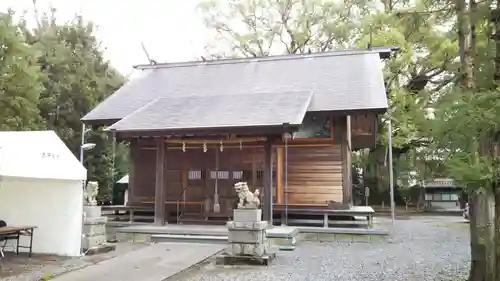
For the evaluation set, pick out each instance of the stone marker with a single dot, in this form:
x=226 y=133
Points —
x=94 y=224
x=247 y=239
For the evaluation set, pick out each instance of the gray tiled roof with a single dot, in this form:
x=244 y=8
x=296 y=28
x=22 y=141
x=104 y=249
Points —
x=338 y=80
x=218 y=111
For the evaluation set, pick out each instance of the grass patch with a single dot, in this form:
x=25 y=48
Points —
x=46 y=277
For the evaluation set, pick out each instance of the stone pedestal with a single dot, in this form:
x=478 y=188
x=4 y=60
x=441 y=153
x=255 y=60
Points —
x=247 y=239
x=94 y=231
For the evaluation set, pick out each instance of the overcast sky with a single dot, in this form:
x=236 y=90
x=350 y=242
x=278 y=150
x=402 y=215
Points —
x=171 y=29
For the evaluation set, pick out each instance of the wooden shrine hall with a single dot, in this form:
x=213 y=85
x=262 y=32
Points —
x=284 y=124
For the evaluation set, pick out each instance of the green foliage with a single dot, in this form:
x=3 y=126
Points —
x=47 y=277
x=21 y=80
x=423 y=68
x=259 y=28
x=471 y=133
x=52 y=75
x=76 y=76
x=76 y=79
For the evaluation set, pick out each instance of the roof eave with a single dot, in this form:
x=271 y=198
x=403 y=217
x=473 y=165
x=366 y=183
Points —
x=99 y=122
x=250 y=130
x=386 y=51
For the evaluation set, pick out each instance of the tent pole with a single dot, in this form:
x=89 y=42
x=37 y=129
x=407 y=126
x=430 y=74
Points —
x=83 y=190
x=113 y=171
x=391 y=172
x=82 y=143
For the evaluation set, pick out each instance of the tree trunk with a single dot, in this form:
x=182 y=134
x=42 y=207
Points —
x=481 y=206
x=463 y=29
x=495 y=19
x=476 y=272
x=481 y=200
x=497 y=233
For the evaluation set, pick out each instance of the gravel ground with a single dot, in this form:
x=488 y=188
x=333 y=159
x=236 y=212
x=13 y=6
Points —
x=419 y=249
x=22 y=268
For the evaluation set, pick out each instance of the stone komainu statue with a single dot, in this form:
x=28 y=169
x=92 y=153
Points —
x=247 y=199
x=91 y=192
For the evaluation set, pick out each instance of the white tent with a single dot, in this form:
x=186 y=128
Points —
x=124 y=180
x=41 y=185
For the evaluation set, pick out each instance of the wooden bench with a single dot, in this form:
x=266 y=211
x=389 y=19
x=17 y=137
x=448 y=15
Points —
x=308 y=209
x=15 y=232
x=131 y=209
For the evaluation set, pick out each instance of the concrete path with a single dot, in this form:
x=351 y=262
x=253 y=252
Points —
x=155 y=262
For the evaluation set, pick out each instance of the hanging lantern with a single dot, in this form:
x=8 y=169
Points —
x=204 y=147
x=183 y=147
x=221 y=146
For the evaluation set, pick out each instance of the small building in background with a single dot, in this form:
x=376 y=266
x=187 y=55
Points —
x=124 y=182
x=442 y=195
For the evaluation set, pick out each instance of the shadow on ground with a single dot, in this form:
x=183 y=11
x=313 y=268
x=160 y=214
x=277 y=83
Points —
x=13 y=265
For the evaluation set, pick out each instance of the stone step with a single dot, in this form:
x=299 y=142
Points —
x=199 y=239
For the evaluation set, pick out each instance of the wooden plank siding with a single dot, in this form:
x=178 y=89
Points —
x=314 y=175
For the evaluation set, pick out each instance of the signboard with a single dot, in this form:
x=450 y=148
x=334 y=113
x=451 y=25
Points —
x=50 y=155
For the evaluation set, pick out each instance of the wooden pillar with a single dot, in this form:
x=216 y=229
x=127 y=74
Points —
x=342 y=125
x=131 y=172
x=254 y=169
x=280 y=192
x=267 y=206
x=346 y=146
x=185 y=181
x=349 y=157
x=160 y=190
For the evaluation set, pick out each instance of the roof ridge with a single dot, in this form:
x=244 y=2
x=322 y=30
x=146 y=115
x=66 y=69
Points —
x=273 y=58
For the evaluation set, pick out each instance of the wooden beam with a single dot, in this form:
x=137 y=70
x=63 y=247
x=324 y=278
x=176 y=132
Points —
x=242 y=131
x=216 y=141
x=267 y=205
x=160 y=190
x=280 y=193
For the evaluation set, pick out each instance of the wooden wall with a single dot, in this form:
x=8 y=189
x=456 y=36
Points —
x=317 y=171
x=195 y=172
x=314 y=175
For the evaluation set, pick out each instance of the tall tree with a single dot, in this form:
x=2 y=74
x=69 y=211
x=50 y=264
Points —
x=494 y=19
x=76 y=78
x=422 y=69
x=470 y=132
x=21 y=79
x=252 y=28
